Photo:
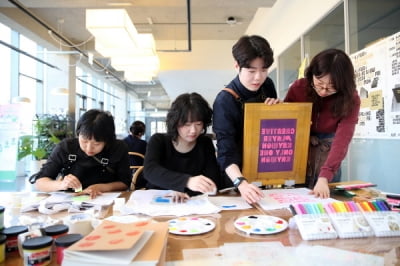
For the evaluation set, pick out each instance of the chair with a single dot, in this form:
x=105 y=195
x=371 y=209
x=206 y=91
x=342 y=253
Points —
x=136 y=169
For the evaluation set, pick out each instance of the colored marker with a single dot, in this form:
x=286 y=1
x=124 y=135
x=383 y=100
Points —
x=292 y=209
x=302 y=209
x=346 y=207
x=313 y=208
x=372 y=206
x=366 y=206
x=308 y=208
x=383 y=206
x=360 y=206
x=376 y=205
x=353 y=206
x=320 y=208
x=335 y=206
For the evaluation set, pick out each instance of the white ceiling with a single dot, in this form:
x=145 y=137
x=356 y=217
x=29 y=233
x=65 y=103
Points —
x=206 y=67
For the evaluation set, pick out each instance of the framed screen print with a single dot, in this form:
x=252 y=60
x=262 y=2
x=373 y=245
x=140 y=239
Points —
x=275 y=144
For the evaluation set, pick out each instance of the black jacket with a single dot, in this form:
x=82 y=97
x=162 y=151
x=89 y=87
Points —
x=228 y=120
x=88 y=170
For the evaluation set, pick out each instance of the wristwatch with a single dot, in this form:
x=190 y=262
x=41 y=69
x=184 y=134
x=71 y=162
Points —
x=238 y=181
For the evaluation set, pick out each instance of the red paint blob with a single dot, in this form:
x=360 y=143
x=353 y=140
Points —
x=133 y=233
x=142 y=223
x=116 y=241
x=114 y=231
x=92 y=238
x=86 y=244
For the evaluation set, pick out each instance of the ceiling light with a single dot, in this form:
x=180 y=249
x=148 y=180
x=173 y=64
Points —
x=117 y=31
x=116 y=37
x=20 y=99
x=60 y=91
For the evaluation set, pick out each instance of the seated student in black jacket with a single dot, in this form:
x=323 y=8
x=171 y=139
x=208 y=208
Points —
x=135 y=142
x=183 y=159
x=94 y=162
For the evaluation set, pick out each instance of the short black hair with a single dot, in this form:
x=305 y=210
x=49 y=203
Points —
x=188 y=107
x=248 y=48
x=137 y=127
x=96 y=124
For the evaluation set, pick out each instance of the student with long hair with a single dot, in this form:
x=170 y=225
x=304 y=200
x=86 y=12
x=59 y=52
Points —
x=329 y=83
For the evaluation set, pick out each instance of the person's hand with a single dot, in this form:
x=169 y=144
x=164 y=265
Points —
x=178 y=197
x=201 y=184
x=93 y=190
x=271 y=101
x=321 y=188
x=70 y=181
x=250 y=192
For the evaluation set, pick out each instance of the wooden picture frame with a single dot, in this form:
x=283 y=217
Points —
x=276 y=141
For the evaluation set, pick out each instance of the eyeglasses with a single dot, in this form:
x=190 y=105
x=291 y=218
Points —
x=319 y=86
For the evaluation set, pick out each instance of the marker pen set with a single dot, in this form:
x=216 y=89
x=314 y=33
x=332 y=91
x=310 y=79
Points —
x=313 y=221
x=349 y=219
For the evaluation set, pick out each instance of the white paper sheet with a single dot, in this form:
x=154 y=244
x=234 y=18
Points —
x=230 y=203
x=141 y=202
x=282 y=198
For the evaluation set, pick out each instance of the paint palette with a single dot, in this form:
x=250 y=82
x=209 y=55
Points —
x=260 y=224
x=190 y=226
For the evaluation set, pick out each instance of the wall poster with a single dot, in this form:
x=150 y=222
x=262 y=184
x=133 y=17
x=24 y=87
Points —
x=377 y=70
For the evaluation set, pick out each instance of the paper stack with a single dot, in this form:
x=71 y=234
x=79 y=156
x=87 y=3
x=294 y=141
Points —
x=113 y=243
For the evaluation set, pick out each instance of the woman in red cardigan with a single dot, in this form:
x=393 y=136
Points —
x=329 y=84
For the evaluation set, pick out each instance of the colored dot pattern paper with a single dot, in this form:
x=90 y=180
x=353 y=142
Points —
x=190 y=226
x=110 y=235
x=260 y=224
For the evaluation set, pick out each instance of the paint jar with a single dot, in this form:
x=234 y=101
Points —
x=55 y=231
x=3 y=239
x=79 y=223
x=63 y=242
x=37 y=250
x=24 y=236
x=1 y=218
x=12 y=233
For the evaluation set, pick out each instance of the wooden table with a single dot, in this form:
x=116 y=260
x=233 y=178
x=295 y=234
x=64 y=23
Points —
x=225 y=232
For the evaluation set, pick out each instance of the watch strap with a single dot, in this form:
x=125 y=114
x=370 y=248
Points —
x=238 y=181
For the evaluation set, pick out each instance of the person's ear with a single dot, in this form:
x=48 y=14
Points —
x=236 y=66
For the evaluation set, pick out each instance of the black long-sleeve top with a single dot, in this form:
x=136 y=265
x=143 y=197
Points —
x=166 y=168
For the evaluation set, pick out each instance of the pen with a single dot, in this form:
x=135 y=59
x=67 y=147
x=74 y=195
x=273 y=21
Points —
x=292 y=209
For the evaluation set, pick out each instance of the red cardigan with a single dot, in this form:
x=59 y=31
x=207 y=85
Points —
x=324 y=122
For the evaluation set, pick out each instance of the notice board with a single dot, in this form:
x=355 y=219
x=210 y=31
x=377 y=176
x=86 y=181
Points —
x=275 y=144
x=377 y=69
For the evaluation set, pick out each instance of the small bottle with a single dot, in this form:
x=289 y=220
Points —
x=1 y=218
x=37 y=250
x=63 y=242
x=12 y=233
x=55 y=231
x=3 y=239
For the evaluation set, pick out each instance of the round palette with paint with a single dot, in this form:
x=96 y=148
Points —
x=190 y=226
x=260 y=224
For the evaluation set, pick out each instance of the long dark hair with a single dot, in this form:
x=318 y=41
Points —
x=188 y=107
x=96 y=124
x=336 y=63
